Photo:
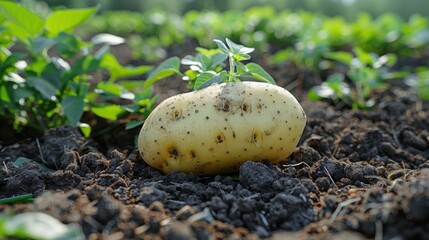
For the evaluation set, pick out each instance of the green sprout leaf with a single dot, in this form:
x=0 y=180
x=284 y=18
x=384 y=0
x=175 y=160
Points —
x=259 y=73
x=221 y=46
x=65 y=20
x=206 y=79
x=238 y=49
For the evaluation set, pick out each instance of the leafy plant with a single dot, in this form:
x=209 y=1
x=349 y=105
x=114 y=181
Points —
x=47 y=73
x=420 y=82
x=367 y=72
x=334 y=88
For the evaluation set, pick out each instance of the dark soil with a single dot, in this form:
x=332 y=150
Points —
x=355 y=175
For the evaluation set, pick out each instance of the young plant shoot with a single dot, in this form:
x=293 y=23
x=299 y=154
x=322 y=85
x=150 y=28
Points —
x=225 y=122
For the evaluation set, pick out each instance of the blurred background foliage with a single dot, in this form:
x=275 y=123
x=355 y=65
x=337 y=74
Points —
x=349 y=9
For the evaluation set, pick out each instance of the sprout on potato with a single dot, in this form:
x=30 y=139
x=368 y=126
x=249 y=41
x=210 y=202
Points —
x=216 y=129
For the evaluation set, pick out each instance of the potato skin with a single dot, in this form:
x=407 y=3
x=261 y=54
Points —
x=216 y=129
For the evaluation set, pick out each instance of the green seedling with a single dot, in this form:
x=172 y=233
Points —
x=420 y=82
x=367 y=72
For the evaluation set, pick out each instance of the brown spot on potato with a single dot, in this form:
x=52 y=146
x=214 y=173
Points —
x=193 y=154
x=220 y=138
x=233 y=134
x=176 y=114
x=256 y=136
x=246 y=107
x=172 y=151
x=259 y=106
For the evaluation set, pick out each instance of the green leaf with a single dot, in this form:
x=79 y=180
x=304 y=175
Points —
x=110 y=111
x=67 y=44
x=363 y=56
x=4 y=94
x=206 y=79
x=343 y=57
x=218 y=59
x=116 y=70
x=73 y=108
x=133 y=124
x=47 y=90
x=241 y=57
x=25 y=19
x=166 y=69
x=313 y=95
x=221 y=45
x=67 y=19
x=10 y=61
x=85 y=129
x=259 y=73
x=41 y=43
x=85 y=64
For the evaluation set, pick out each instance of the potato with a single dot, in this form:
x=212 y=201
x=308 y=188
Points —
x=216 y=129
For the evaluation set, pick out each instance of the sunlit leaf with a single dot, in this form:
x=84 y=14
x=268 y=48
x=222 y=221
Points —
x=85 y=129
x=110 y=111
x=66 y=19
x=116 y=70
x=25 y=19
x=343 y=57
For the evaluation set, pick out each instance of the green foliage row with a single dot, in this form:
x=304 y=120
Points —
x=262 y=27
x=48 y=75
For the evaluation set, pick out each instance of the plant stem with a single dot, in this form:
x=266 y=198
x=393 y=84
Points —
x=231 y=68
